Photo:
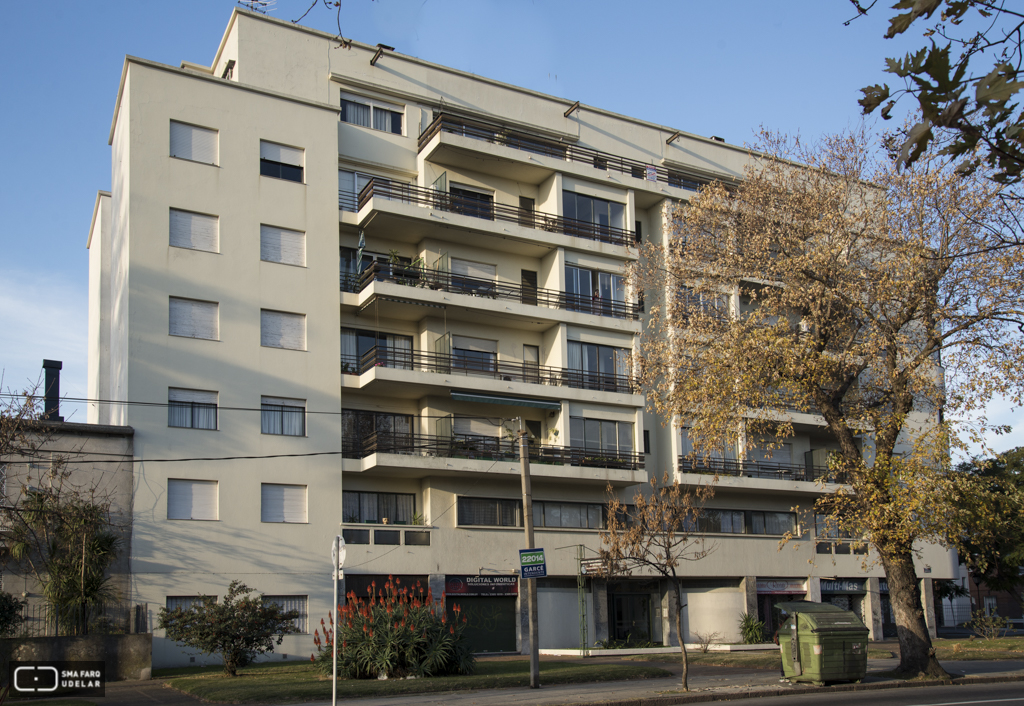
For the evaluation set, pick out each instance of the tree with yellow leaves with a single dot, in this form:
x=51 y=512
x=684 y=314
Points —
x=830 y=282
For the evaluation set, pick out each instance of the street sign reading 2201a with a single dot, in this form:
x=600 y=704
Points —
x=532 y=564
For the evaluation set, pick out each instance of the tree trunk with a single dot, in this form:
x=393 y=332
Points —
x=682 y=639
x=917 y=656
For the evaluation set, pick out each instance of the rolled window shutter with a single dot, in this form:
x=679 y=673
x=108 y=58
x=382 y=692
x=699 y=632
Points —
x=196 y=231
x=194 y=319
x=280 y=153
x=283 y=503
x=476 y=427
x=177 y=394
x=282 y=245
x=475 y=344
x=192 y=142
x=473 y=269
x=279 y=329
x=192 y=499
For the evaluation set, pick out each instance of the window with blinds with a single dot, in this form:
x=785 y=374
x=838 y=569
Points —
x=490 y=512
x=186 y=602
x=193 y=318
x=282 y=245
x=371 y=113
x=547 y=513
x=300 y=604
x=474 y=278
x=191 y=409
x=474 y=355
x=280 y=415
x=283 y=503
x=280 y=329
x=198 y=144
x=281 y=161
x=715 y=521
x=192 y=499
x=194 y=231
x=389 y=508
x=476 y=426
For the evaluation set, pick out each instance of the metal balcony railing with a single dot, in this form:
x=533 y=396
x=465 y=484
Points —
x=755 y=469
x=443 y=201
x=422 y=361
x=487 y=449
x=418 y=276
x=516 y=139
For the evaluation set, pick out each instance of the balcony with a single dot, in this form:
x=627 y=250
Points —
x=757 y=469
x=496 y=134
x=487 y=449
x=419 y=276
x=446 y=364
x=442 y=201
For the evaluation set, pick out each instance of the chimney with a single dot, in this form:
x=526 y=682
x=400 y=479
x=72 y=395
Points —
x=51 y=391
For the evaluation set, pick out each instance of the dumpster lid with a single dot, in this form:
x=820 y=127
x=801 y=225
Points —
x=824 y=617
x=790 y=607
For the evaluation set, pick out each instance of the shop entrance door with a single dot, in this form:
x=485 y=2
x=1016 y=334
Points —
x=632 y=616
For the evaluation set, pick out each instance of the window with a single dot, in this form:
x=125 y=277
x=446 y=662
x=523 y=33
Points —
x=382 y=508
x=362 y=350
x=596 y=367
x=602 y=293
x=280 y=161
x=191 y=409
x=473 y=277
x=647 y=441
x=371 y=113
x=350 y=185
x=490 y=512
x=601 y=435
x=474 y=355
x=299 y=604
x=279 y=415
x=186 y=602
x=283 y=503
x=193 y=319
x=198 y=144
x=745 y=522
x=365 y=432
x=356 y=536
x=387 y=537
x=280 y=329
x=682 y=181
x=598 y=214
x=472 y=202
x=195 y=231
x=547 y=513
x=417 y=538
x=192 y=499
x=282 y=245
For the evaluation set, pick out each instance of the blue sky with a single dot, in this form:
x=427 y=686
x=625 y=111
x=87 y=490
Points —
x=710 y=68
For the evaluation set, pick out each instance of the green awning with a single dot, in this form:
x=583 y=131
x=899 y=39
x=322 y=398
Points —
x=513 y=401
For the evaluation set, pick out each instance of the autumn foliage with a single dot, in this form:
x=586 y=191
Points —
x=394 y=632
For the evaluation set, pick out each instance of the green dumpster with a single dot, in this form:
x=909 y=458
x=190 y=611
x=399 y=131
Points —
x=821 y=643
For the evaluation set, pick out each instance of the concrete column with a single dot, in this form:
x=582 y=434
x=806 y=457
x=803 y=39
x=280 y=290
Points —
x=814 y=589
x=523 y=626
x=928 y=606
x=435 y=582
x=600 y=591
x=748 y=586
x=873 y=609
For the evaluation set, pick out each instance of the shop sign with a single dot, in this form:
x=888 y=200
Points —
x=532 y=564
x=781 y=586
x=842 y=585
x=481 y=585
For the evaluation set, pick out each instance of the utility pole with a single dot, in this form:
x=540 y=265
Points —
x=531 y=584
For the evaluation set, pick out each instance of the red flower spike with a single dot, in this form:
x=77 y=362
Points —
x=452 y=629
x=312 y=658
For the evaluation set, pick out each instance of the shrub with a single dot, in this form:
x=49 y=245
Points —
x=10 y=614
x=752 y=629
x=704 y=639
x=238 y=629
x=988 y=627
x=395 y=632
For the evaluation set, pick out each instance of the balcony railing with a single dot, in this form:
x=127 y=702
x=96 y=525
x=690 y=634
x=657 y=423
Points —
x=443 y=201
x=422 y=361
x=756 y=469
x=487 y=449
x=501 y=135
x=418 y=276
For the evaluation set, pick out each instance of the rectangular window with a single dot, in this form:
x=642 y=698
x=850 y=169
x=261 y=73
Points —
x=417 y=538
x=362 y=350
x=596 y=367
x=283 y=503
x=490 y=512
x=371 y=113
x=300 y=604
x=387 y=537
x=474 y=355
x=193 y=319
x=192 y=499
x=279 y=415
x=280 y=329
x=281 y=161
x=195 y=231
x=472 y=202
x=356 y=536
x=350 y=185
x=547 y=513
x=378 y=508
x=598 y=215
x=198 y=144
x=282 y=245
x=186 y=602
x=601 y=435
x=474 y=278
x=191 y=409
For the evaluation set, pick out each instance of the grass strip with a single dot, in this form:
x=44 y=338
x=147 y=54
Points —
x=286 y=683
x=750 y=660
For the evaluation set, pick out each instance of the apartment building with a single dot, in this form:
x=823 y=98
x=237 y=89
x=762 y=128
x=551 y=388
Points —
x=343 y=279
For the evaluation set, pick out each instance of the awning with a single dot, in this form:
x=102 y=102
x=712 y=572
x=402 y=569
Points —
x=512 y=401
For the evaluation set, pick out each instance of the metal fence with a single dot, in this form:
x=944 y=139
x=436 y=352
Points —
x=116 y=618
x=954 y=615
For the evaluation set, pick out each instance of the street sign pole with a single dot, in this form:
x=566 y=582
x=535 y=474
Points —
x=337 y=561
x=531 y=583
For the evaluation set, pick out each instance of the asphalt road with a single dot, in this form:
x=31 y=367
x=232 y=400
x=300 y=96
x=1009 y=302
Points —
x=1011 y=694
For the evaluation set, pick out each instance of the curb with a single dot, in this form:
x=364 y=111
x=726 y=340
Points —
x=708 y=696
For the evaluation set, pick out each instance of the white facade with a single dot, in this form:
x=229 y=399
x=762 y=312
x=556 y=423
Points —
x=493 y=233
